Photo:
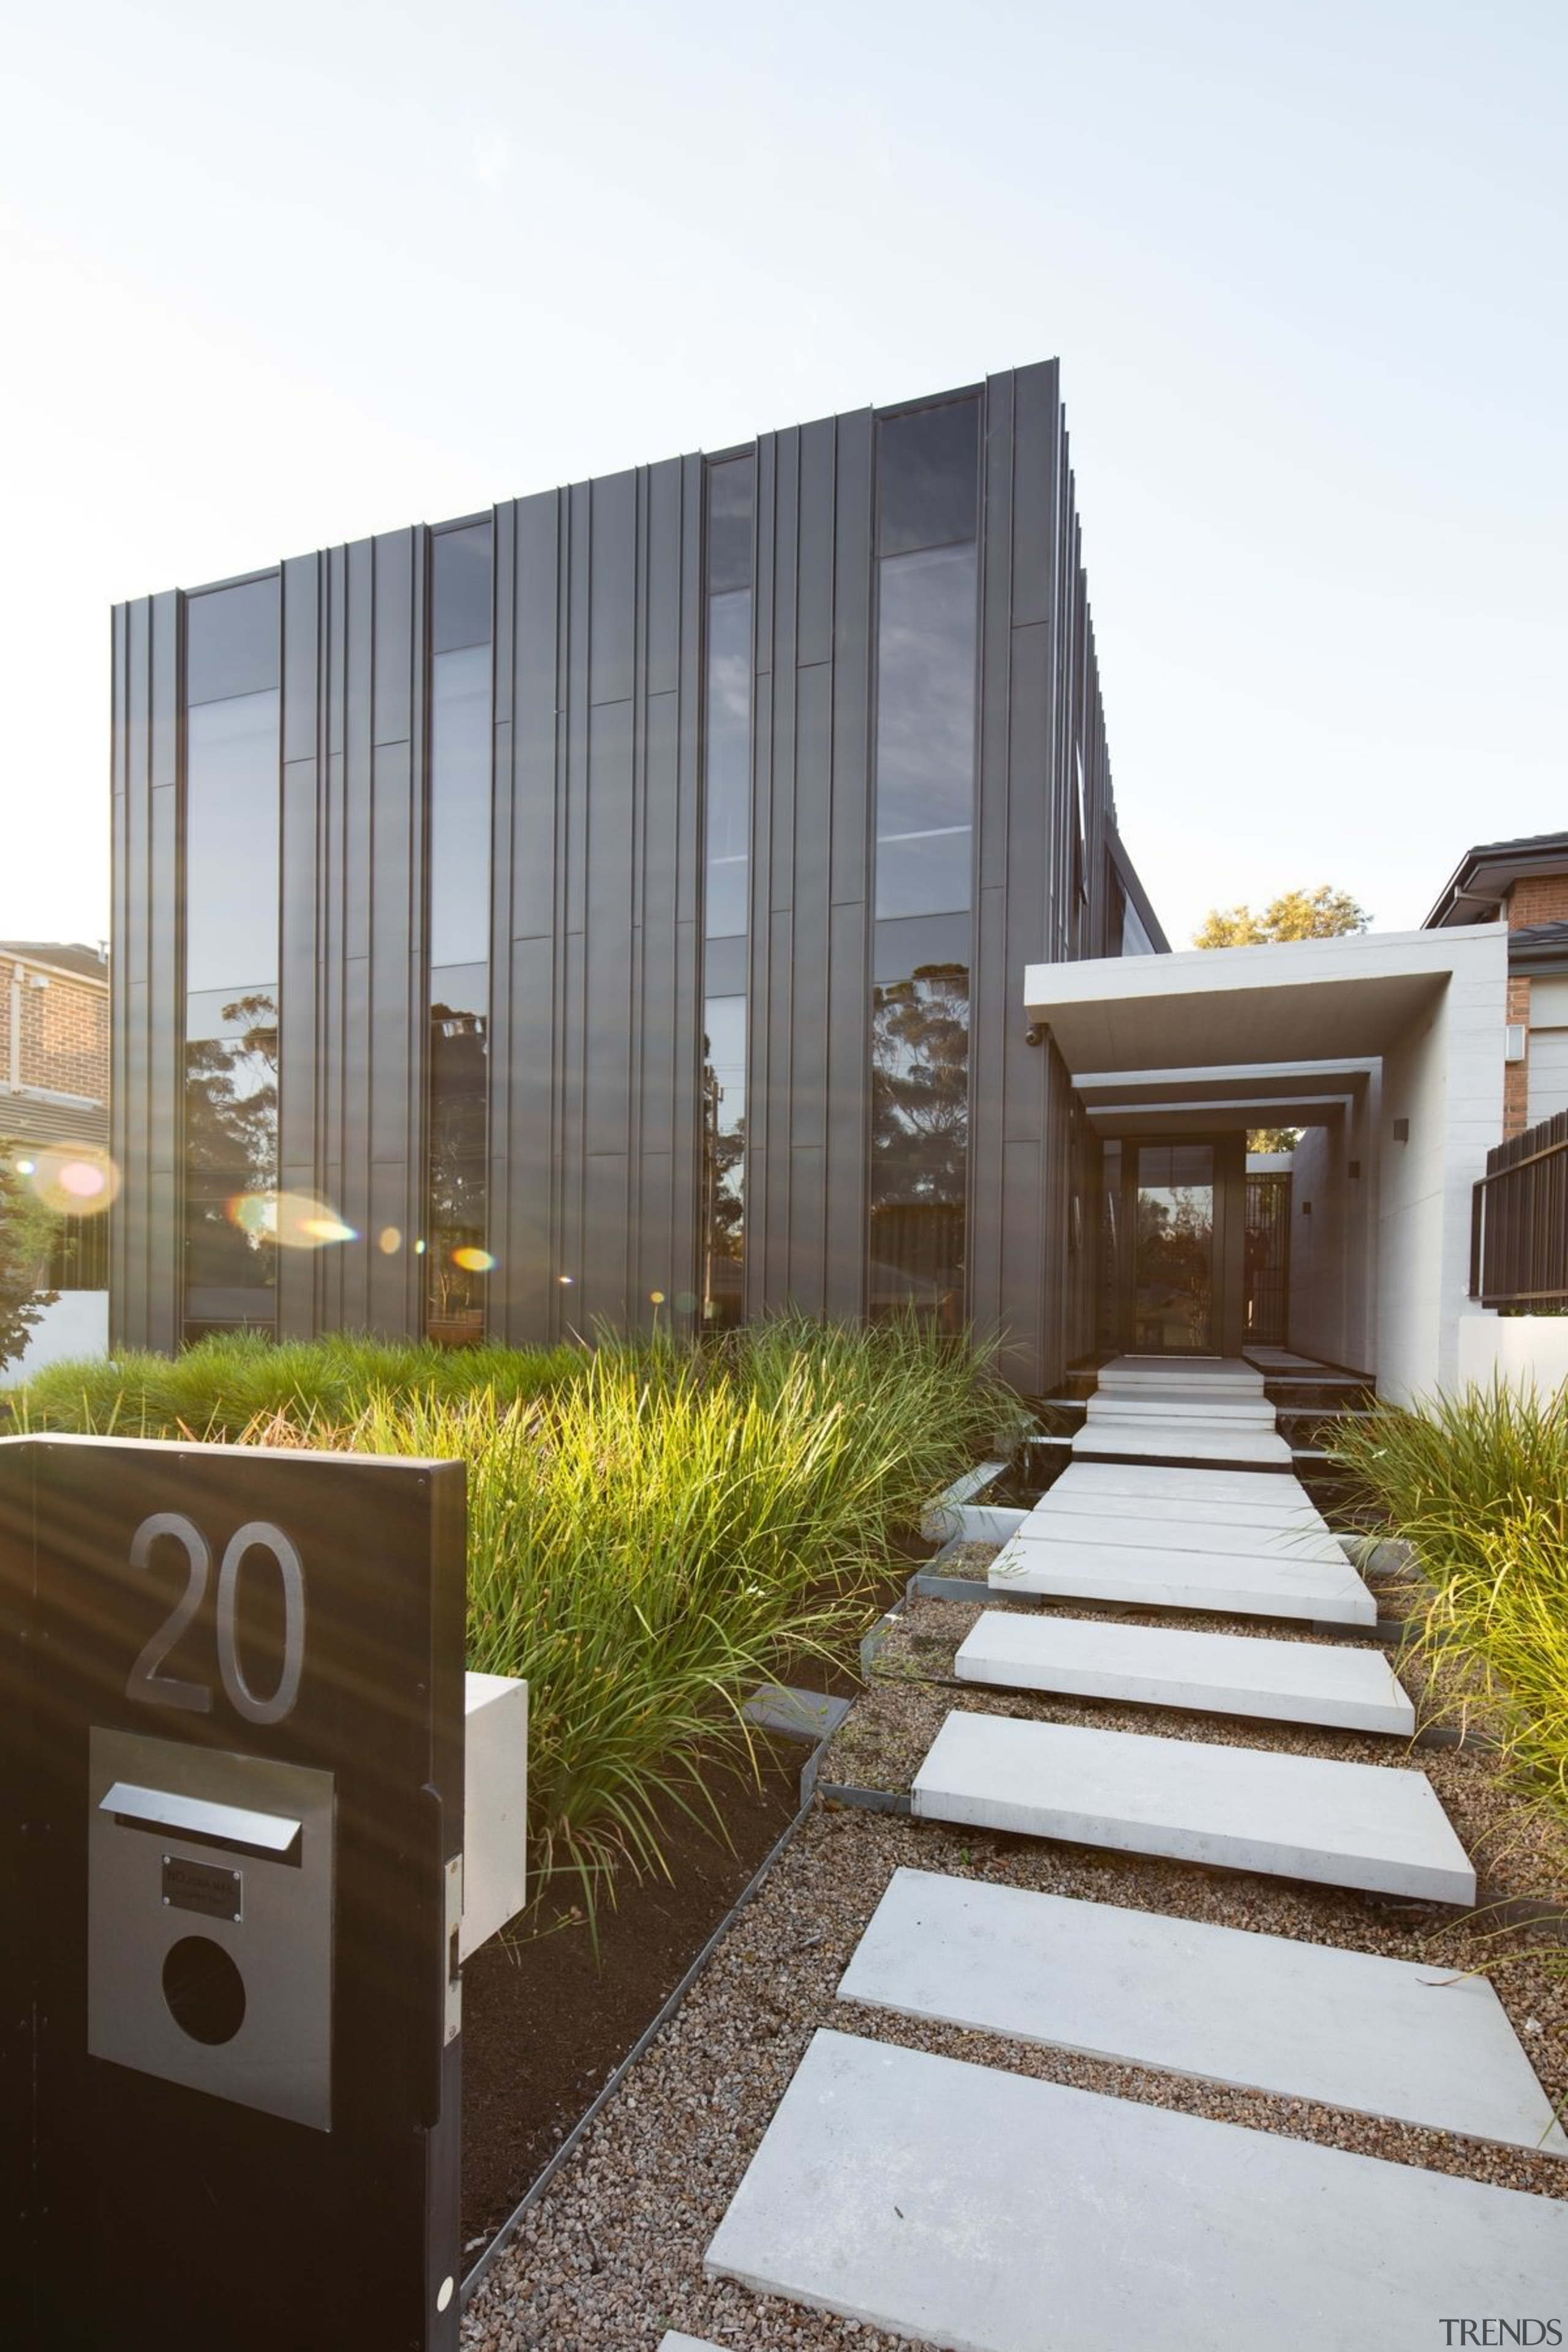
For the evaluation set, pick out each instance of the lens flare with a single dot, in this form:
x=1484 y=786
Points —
x=473 y=1260
x=389 y=1241
x=656 y=1296
x=73 y=1180
x=293 y=1220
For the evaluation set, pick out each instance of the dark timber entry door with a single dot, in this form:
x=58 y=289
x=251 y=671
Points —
x=1184 y=1216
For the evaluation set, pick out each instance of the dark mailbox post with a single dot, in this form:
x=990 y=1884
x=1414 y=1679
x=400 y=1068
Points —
x=231 y=1743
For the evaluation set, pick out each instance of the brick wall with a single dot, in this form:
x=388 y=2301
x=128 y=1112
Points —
x=65 y=1031
x=1516 y=1075
x=1538 y=899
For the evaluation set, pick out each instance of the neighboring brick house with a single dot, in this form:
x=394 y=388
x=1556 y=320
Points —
x=1524 y=884
x=54 y=1099
x=53 y=1043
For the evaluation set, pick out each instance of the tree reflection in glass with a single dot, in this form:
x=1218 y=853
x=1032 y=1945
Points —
x=231 y=1157
x=919 y=1142
x=455 y=1258
x=723 y=1160
x=1173 y=1246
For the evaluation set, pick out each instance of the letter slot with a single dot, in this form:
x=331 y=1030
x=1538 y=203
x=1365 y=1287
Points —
x=210 y=1893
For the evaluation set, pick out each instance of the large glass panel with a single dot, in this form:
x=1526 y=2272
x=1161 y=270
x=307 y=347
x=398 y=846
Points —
x=1173 y=1262
x=231 y=1157
x=233 y=641
x=456 y=1260
x=727 y=884
x=459 y=804
x=723 y=1159
x=231 y=842
x=729 y=776
x=920 y=1143
x=925 y=731
x=460 y=588
x=928 y=477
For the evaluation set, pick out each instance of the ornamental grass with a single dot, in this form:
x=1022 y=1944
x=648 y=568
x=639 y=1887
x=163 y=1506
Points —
x=1478 y=1484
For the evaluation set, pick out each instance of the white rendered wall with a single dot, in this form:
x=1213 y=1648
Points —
x=75 y=1325
x=1444 y=1074
x=1524 y=1351
x=1317 y=1246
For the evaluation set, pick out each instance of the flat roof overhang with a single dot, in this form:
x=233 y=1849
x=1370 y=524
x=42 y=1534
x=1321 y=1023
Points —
x=1305 y=1003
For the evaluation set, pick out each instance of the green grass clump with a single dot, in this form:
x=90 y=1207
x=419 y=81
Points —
x=1478 y=1484
x=653 y=1527
x=223 y=1386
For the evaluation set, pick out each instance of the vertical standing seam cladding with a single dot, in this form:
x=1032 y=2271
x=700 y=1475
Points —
x=596 y=956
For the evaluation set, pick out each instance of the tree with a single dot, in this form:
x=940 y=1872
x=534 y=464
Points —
x=26 y=1237
x=1320 y=914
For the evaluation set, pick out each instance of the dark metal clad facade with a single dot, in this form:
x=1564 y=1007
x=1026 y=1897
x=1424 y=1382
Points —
x=597 y=964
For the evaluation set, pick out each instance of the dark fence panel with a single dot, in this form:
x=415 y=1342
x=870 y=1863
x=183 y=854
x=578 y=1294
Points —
x=1519 y=1229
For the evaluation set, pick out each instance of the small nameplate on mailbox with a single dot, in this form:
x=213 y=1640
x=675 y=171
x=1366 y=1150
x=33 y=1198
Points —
x=200 y=1887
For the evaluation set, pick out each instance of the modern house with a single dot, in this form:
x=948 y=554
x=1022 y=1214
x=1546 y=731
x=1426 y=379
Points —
x=699 y=890
x=613 y=907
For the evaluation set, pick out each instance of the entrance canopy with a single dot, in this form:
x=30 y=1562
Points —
x=1388 y=1047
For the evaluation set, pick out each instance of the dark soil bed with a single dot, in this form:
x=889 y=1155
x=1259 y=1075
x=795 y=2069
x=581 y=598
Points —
x=544 y=2023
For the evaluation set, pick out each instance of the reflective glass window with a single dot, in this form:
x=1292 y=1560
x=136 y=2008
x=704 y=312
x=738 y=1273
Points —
x=460 y=588
x=231 y=1157
x=729 y=779
x=928 y=472
x=231 y=842
x=920 y=1143
x=925 y=731
x=233 y=641
x=456 y=1260
x=461 y=733
x=729 y=533
x=723 y=1158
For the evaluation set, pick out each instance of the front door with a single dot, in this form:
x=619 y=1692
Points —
x=1172 y=1233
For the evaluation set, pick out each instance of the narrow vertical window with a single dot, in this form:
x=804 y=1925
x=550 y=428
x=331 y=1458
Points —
x=927 y=596
x=727 y=833
x=231 y=816
x=457 y=1256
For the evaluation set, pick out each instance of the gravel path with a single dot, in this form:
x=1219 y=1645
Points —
x=613 y=2255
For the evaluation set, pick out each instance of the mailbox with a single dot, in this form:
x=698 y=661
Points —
x=209 y=1953
x=231 y=1885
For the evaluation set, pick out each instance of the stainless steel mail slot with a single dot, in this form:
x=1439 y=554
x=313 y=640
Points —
x=234 y=1827
x=210 y=1921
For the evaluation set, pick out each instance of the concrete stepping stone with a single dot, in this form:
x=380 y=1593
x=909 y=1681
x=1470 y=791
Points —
x=1173 y=1441
x=1377 y=1827
x=796 y=1714
x=676 y=2342
x=1217 y=1674
x=1151 y=1481
x=1349 y=2030
x=1164 y=1577
x=1073 y=1496
x=1160 y=1407
x=974 y=2211
x=1252 y=1540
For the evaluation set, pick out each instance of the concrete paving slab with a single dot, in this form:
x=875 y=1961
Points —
x=1176 y=1511
x=1169 y=1441
x=1350 y=2030
x=1195 y=1369
x=1162 y=1576
x=1214 y=1673
x=674 y=2343
x=1254 y=1540
x=973 y=2210
x=1161 y=1406
x=1378 y=1827
x=1151 y=1480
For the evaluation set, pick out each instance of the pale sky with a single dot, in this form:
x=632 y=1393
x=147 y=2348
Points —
x=278 y=277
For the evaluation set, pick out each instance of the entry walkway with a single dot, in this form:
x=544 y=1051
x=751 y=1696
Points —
x=966 y=2207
